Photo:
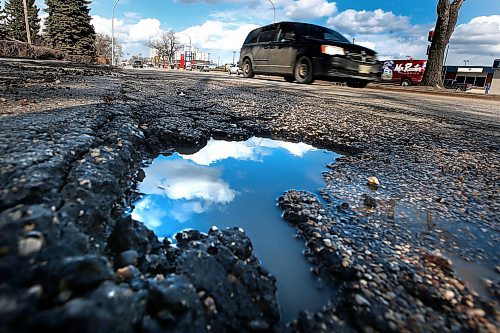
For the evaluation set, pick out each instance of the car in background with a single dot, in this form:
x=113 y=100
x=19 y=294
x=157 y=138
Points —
x=235 y=69
x=188 y=66
x=137 y=64
x=204 y=69
x=457 y=86
x=212 y=66
x=304 y=52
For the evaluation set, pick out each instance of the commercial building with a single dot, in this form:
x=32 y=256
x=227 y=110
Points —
x=478 y=76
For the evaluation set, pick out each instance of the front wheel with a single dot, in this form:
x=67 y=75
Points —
x=247 y=69
x=303 y=72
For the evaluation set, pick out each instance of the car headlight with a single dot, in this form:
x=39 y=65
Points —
x=332 y=50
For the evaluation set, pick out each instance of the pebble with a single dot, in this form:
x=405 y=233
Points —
x=448 y=295
x=32 y=243
x=373 y=183
x=361 y=300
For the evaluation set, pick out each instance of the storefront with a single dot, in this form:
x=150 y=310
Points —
x=478 y=76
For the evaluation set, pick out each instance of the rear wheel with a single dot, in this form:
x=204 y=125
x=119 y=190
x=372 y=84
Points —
x=247 y=69
x=289 y=78
x=303 y=72
x=406 y=82
x=357 y=83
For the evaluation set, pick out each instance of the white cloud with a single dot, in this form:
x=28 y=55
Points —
x=368 y=22
x=477 y=41
x=253 y=150
x=132 y=15
x=144 y=30
x=394 y=37
x=132 y=36
x=309 y=9
x=217 y=35
x=180 y=179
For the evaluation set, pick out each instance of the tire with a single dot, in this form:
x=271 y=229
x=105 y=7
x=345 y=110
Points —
x=248 y=69
x=406 y=82
x=289 y=78
x=357 y=83
x=303 y=71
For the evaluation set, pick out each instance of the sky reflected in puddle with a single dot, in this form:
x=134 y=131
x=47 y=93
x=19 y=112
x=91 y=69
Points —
x=236 y=184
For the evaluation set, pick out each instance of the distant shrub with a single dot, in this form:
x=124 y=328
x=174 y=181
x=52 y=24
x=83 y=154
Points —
x=15 y=49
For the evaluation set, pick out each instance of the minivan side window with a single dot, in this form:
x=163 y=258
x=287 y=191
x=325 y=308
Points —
x=285 y=33
x=268 y=34
x=252 y=37
x=325 y=34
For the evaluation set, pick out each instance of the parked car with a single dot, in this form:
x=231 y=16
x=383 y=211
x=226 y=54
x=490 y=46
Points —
x=204 y=69
x=454 y=84
x=137 y=64
x=188 y=66
x=212 y=66
x=235 y=69
x=303 y=52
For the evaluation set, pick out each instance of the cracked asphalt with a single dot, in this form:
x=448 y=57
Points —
x=73 y=140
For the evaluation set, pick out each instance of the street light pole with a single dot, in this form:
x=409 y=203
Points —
x=234 y=53
x=113 y=35
x=274 y=11
x=465 y=62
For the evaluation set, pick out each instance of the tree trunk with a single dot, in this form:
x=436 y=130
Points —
x=27 y=22
x=445 y=25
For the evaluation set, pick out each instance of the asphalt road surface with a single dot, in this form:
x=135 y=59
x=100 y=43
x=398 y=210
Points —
x=417 y=253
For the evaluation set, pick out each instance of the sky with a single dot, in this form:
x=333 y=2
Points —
x=395 y=29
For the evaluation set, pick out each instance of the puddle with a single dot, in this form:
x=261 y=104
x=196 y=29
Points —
x=479 y=245
x=236 y=184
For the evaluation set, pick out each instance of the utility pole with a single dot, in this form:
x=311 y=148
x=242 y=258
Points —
x=234 y=54
x=112 y=35
x=26 y=20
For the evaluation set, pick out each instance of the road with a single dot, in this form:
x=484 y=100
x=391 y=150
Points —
x=73 y=141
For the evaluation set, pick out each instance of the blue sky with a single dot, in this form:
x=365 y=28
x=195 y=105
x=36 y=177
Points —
x=395 y=29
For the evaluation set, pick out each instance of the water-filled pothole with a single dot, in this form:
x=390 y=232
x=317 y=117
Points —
x=236 y=184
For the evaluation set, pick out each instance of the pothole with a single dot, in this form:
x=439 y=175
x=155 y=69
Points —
x=230 y=184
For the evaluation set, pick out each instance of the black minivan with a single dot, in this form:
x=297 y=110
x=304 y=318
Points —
x=303 y=52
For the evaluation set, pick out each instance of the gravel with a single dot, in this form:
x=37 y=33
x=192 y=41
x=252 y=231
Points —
x=416 y=186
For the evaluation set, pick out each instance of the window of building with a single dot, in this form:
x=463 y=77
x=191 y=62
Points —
x=480 y=81
x=470 y=79
x=460 y=78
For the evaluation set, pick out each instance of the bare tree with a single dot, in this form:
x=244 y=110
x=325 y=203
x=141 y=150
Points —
x=103 y=47
x=447 y=16
x=166 y=45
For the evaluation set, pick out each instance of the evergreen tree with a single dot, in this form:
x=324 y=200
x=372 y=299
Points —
x=68 y=27
x=3 y=30
x=14 y=22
